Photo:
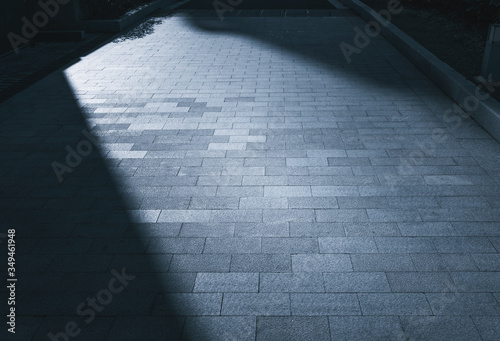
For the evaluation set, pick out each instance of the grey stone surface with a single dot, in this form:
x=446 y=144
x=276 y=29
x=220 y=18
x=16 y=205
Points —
x=292 y=328
x=439 y=328
x=291 y=282
x=321 y=263
x=255 y=185
x=365 y=327
x=227 y=282
x=220 y=327
x=253 y=304
x=394 y=304
x=463 y=304
x=356 y=282
x=488 y=326
x=261 y=262
x=324 y=304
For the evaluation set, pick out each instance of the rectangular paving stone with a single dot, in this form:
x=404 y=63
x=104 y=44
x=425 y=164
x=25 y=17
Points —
x=211 y=203
x=405 y=245
x=477 y=281
x=176 y=245
x=283 y=216
x=421 y=282
x=394 y=304
x=306 y=162
x=443 y=262
x=185 y=216
x=313 y=180
x=362 y=202
x=326 y=153
x=291 y=282
x=334 y=191
x=153 y=203
x=200 y=263
x=144 y=216
x=403 y=202
x=312 y=202
x=232 y=245
x=382 y=262
x=265 y=162
x=304 y=229
x=227 y=146
x=287 y=191
x=243 y=171
x=220 y=180
x=341 y=215
x=294 y=328
x=355 y=282
x=262 y=203
x=289 y=245
x=440 y=327
x=152 y=229
x=476 y=229
x=283 y=170
x=371 y=229
x=336 y=172
x=463 y=304
x=227 y=282
x=359 y=328
x=245 y=216
x=224 y=327
x=207 y=230
x=193 y=191
x=447 y=214
x=275 y=304
x=324 y=304
x=463 y=245
x=222 y=162
x=240 y=191
x=264 y=180
x=321 y=263
x=391 y=215
x=347 y=245
x=420 y=229
x=261 y=262
x=261 y=230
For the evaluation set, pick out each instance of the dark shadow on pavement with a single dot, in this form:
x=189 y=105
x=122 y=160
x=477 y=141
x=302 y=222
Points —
x=83 y=267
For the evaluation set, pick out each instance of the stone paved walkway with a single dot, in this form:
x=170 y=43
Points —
x=239 y=180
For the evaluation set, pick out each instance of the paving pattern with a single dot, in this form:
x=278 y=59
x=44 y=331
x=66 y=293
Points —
x=237 y=179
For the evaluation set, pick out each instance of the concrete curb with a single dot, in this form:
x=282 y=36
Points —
x=456 y=86
x=118 y=25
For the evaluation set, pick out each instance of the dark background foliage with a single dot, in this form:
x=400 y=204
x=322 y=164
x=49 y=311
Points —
x=479 y=13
